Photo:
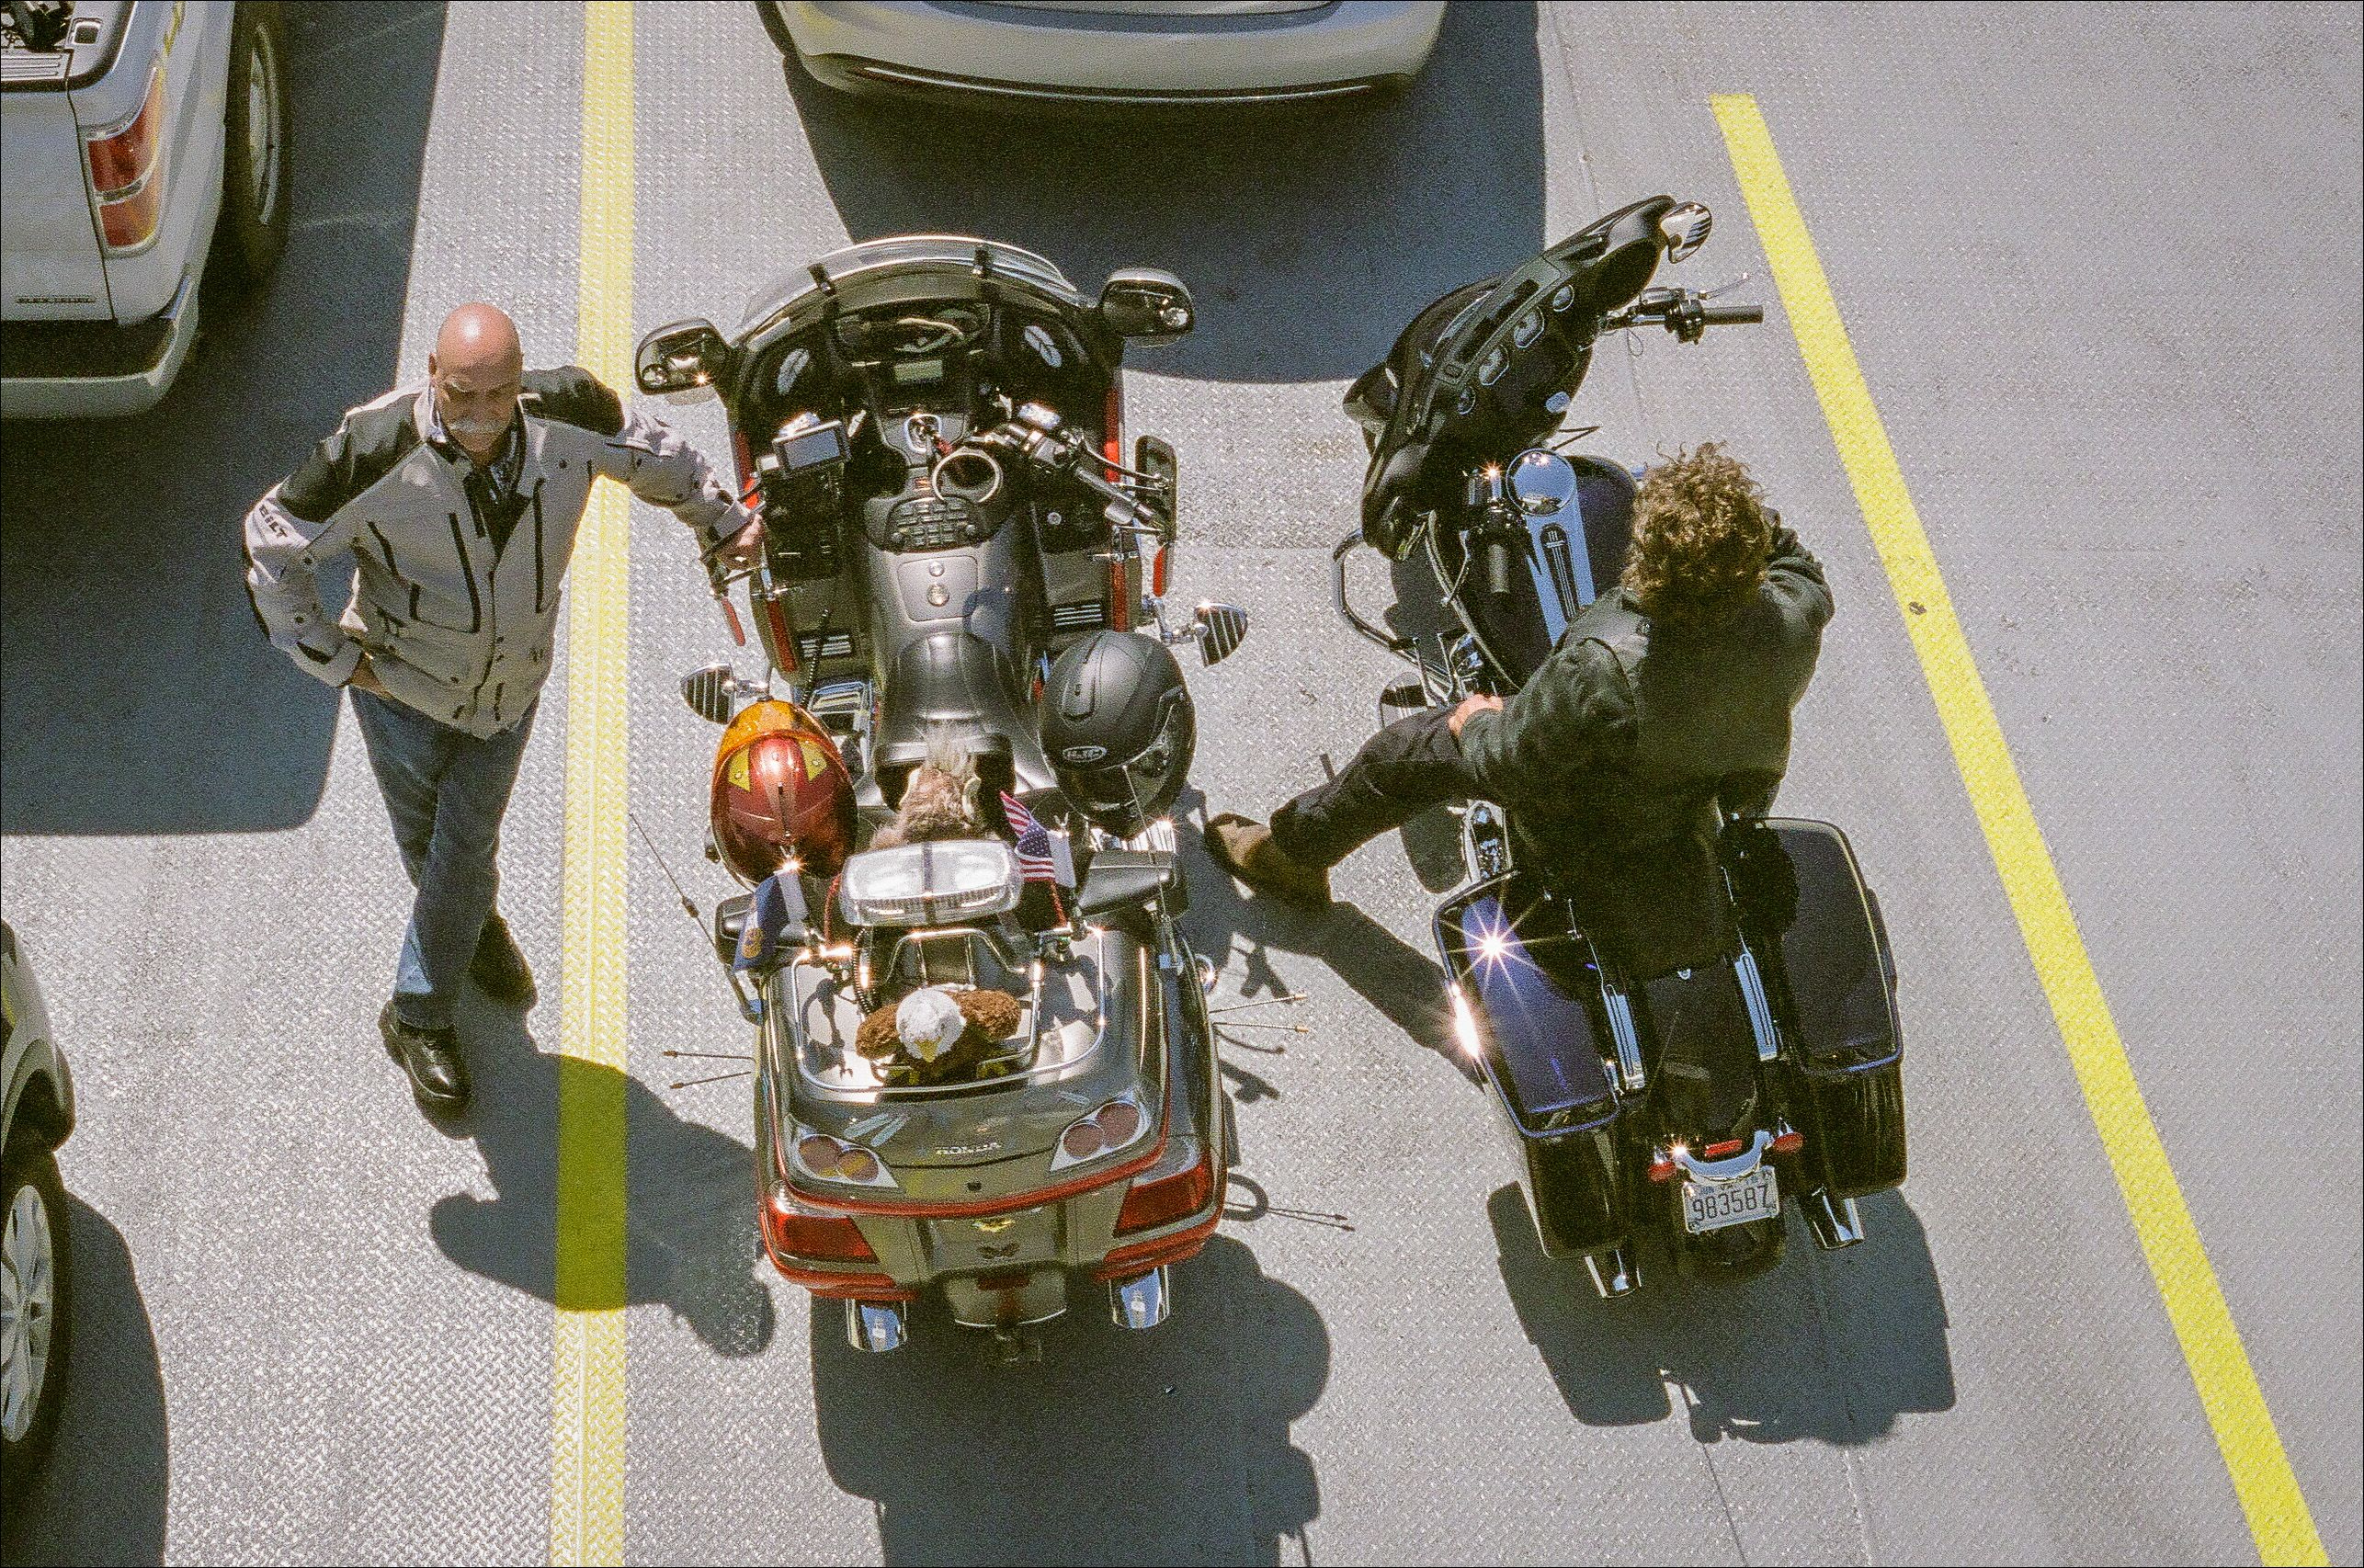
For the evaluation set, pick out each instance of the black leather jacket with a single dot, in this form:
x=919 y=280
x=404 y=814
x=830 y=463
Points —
x=1611 y=758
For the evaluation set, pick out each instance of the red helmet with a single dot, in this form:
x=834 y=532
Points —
x=780 y=792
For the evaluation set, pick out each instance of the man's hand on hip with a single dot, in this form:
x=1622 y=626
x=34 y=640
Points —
x=1475 y=704
x=365 y=677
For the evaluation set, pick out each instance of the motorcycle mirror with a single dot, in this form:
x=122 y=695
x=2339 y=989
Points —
x=681 y=358
x=709 y=692
x=1147 y=304
x=1685 y=229
x=1220 y=628
x=1542 y=483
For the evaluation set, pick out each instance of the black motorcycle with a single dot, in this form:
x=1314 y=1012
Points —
x=1702 y=1102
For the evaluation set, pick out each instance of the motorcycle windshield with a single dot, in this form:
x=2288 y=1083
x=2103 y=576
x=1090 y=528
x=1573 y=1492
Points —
x=848 y=269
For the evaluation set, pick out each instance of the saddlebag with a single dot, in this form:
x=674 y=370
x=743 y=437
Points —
x=1528 y=1007
x=1817 y=932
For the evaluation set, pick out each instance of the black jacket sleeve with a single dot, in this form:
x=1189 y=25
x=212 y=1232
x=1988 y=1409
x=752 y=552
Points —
x=1574 y=716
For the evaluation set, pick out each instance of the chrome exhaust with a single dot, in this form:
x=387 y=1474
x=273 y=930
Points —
x=1143 y=1302
x=1835 y=1222
x=875 y=1327
x=1613 y=1273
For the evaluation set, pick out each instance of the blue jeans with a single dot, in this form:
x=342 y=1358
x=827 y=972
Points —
x=446 y=790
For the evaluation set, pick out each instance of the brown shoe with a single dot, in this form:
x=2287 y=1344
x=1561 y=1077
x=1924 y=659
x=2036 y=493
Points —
x=1245 y=849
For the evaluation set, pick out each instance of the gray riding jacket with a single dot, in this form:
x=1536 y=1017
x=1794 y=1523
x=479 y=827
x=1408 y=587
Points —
x=454 y=628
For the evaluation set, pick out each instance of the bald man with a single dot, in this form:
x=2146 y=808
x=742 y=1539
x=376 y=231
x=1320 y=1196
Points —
x=458 y=503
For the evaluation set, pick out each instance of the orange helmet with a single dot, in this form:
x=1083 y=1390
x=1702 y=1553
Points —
x=781 y=790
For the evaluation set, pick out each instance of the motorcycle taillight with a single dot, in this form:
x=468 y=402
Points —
x=1161 y=1201
x=799 y=1234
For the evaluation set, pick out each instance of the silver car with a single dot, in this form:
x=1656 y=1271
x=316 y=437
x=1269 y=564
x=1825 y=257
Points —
x=35 y=1259
x=1136 y=52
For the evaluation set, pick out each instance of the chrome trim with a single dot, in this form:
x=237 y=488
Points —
x=1143 y=1302
x=875 y=1327
x=1760 y=1012
x=904 y=77
x=1731 y=1168
x=1834 y=1223
x=1613 y=1273
x=1629 y=1045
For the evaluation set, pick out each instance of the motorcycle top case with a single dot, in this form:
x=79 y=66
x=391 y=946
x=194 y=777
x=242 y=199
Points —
x=1540 y=1026
x=1816 y=929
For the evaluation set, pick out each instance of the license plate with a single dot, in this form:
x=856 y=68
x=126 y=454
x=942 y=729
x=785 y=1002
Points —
x=1710 y=1206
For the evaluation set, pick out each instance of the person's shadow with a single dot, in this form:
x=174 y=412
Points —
x=689 y=1239
x=101 y=1497
x=1833 y=1346
x=1170 y=1445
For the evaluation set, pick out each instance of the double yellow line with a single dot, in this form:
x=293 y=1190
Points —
x=587 y=1470
x=2236 y=1410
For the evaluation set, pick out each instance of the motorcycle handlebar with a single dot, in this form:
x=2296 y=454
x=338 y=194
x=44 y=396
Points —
x=1731 y=316
x=1498 y=566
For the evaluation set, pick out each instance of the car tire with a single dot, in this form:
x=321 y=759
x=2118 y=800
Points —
x=253 y=230
x=30 y=1236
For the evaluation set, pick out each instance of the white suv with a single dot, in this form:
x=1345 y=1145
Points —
x=139 y=140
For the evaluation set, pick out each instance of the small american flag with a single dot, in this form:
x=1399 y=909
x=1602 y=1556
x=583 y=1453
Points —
x=1037 y=860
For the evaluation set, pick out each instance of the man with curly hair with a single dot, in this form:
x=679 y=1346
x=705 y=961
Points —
x=1673 y=687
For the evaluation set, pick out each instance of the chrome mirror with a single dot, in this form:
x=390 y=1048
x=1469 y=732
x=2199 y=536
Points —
x=1542 y=483
x=681 y=359
x=710 y=692
x=1220 y=628
x=1685 y=229
x=1147 y=304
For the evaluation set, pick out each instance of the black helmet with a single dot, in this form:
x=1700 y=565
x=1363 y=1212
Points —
x=1118 y=729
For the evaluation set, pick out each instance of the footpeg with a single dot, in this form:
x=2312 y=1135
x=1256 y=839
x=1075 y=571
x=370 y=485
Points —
x=1835 y=1222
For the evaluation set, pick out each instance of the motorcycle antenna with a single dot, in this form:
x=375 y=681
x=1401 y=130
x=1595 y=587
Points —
x=686 y=906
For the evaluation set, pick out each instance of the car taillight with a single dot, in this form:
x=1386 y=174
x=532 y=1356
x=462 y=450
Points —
x=1789 y=1140
x=127 y=171
x=833 y=1159
x=1164 y=1200
x=799 y=1234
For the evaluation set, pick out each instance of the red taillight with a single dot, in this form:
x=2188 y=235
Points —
x=800 y=1235
x=1082 y=1141
x=1164 y=1200
x=1718 y=1151
x=127 y=173
x=1662 y=1166
x=1789 y=1140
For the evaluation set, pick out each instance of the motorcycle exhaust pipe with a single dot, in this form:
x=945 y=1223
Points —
x=874 y=1326
x=1834 y=1223
x=1143 y=1302
x=1613 y=1273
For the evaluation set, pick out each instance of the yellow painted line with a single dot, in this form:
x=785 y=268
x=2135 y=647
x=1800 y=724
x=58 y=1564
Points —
x=2203 y=1323
x=587 y=1459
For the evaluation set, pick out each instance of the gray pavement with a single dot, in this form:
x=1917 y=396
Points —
x=2100 y=267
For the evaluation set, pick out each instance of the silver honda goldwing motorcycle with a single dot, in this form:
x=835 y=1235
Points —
x=1701 y=1104
x=931 y=428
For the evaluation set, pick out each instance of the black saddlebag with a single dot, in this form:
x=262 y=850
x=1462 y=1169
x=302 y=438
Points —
x=1529 y=1009
x=1817 y=932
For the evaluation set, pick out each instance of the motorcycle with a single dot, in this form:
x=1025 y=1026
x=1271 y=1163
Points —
x=1703 y=1103
x=957 y=554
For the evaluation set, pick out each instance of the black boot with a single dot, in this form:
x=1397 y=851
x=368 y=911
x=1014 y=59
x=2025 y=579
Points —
x=499 y=969
x=431 y=1059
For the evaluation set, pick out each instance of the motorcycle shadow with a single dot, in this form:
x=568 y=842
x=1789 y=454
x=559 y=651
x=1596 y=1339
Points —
x=1828 y=1346
x=689 y=1240
x=1166 y=1446
x=1307 y=237
x=102 y=1496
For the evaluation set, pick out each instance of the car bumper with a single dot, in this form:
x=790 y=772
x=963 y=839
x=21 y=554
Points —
x=986 y=53
x=95 y=369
